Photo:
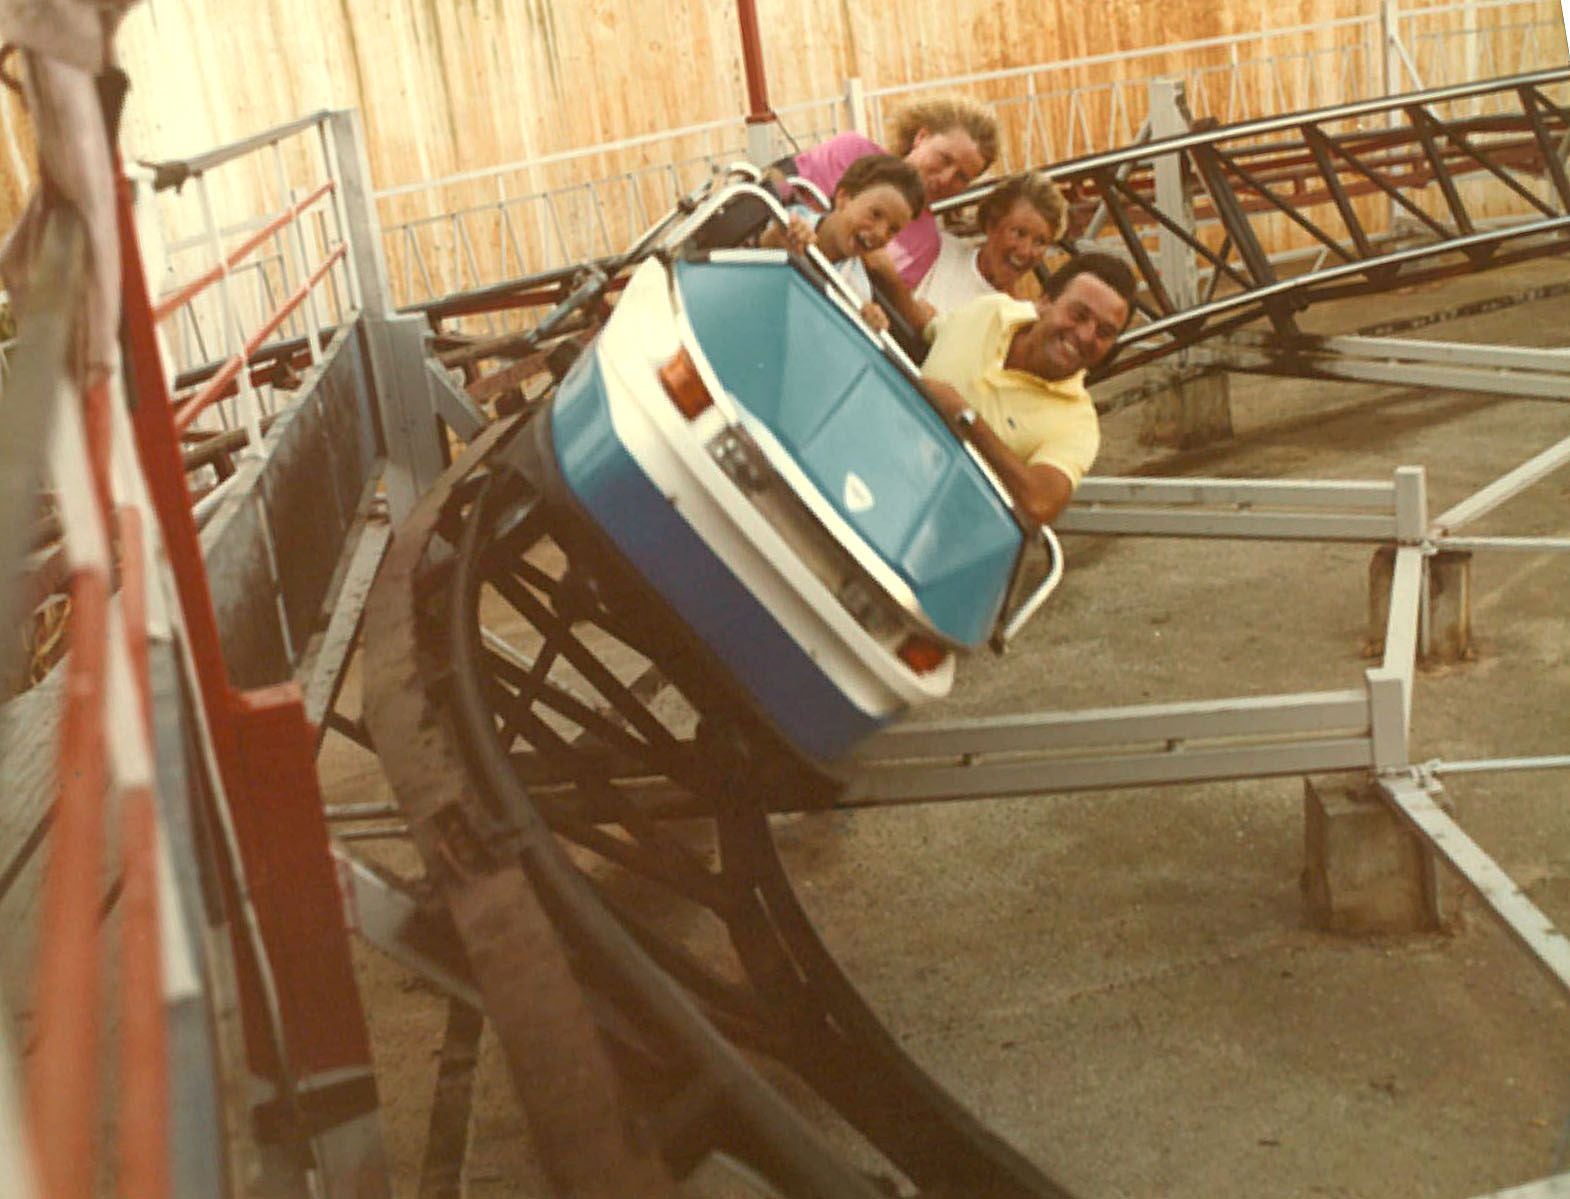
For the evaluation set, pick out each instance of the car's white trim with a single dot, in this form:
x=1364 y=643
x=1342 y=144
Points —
x=643 y=334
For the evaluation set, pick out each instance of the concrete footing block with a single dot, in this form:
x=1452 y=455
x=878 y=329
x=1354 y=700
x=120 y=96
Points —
x=1365 y=871
x=1193 y=412
x=1449 y=605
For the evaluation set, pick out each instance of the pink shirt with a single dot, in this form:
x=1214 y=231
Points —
x=916 y=248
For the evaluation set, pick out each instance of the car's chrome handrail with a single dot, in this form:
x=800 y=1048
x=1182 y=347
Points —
x=1009 y=626
x=799 y=183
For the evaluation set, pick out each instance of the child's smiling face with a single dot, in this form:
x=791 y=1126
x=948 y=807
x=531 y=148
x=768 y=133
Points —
x=865 y=222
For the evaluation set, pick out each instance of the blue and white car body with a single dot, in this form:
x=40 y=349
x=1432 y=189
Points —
x=768 y=467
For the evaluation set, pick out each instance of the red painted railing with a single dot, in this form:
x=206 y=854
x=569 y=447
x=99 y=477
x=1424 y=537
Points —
x=184 y=294
x=219 y=383
x=105 y=753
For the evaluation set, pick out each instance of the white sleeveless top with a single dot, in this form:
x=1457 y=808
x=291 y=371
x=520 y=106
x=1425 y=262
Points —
x=954 y=278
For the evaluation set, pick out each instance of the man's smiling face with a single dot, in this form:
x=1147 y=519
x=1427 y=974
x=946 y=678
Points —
x=1076 y=330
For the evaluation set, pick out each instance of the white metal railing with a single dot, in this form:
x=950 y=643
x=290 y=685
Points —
x=481 y=227
x=1084 y=105
x=283 y=269
x=478 y=227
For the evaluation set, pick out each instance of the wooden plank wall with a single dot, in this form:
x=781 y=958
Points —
x=452 y=85
x=447 y=85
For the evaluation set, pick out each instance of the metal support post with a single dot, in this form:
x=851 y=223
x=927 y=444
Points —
x=1397 y=582
x=760 y=142
x=1389 y=50
x=1393 y=59
x=395 y=343
x=1411 y=504
x=1169 y=117
x=1195 y=410
x=1387 y=717
x=292 y=263
x=856 y=105
x=234 y=340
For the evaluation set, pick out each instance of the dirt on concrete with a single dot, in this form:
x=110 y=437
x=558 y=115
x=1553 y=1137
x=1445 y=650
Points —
x=1123 y=984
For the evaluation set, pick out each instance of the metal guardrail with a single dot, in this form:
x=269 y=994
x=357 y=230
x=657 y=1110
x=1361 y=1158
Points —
x=291 y=270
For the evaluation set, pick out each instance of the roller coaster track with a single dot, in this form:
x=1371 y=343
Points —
x=1210 y=190
x=1310 y=169
x=645 y=962
x=509 y=669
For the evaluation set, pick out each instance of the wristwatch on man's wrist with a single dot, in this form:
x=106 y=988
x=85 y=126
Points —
x=965 y=419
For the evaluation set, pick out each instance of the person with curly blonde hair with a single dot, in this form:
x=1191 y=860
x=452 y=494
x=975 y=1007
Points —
x=949 y=140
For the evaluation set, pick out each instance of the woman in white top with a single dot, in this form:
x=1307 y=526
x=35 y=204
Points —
x=1019 y=220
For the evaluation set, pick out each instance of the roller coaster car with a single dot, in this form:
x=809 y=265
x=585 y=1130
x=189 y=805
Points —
x=770 y=470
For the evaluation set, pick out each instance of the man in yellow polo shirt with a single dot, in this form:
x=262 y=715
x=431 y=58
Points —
x=1010 y=376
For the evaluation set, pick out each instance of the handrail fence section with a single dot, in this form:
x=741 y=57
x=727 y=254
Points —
x=223 y=299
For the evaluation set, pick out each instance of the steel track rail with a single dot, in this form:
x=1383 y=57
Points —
x=635 y=1007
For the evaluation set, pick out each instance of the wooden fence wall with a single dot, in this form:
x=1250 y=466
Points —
x=448 y=86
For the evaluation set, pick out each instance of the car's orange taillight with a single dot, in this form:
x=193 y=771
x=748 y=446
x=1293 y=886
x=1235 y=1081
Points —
x=921 y=654
x=685 y=385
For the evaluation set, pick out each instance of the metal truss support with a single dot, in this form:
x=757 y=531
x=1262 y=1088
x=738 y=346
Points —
x=1414 y=797
x=1048 y=752
x=1453 y=366
x=1195 y=407
x=453 y=404
x=1310 y=168
x=1278 y=510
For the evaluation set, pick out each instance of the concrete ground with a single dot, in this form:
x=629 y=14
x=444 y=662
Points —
x=1123 y=984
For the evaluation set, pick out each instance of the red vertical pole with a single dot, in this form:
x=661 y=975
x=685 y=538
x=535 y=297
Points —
x=159 y=451
x=266 y=756
x=62 y=1095
x=758 y=110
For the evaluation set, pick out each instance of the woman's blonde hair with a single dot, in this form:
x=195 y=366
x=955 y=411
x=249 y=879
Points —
x=1036 y=190
x=939 y=114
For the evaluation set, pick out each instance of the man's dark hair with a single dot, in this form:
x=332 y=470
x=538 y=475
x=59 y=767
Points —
x=1112 y=271
x=870 y=170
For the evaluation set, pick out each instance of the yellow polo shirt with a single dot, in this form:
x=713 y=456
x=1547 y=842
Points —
x=1042 y=422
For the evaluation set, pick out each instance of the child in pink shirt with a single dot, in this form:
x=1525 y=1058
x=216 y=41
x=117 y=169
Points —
x=949 y=140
